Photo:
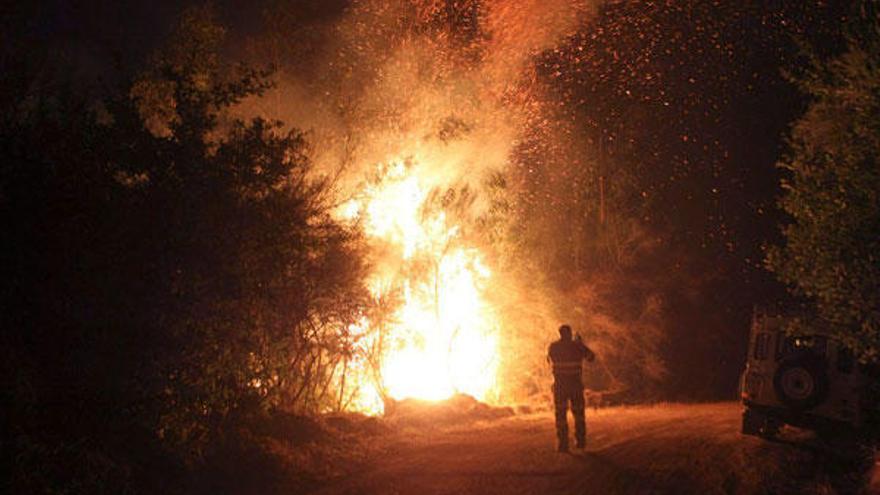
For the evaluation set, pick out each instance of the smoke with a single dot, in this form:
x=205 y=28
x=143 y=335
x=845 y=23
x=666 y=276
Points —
x=520 y=30
x=450 y=83
x=452 y=88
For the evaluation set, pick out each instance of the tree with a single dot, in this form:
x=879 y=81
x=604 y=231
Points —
x=831 y=254
x=171 y=273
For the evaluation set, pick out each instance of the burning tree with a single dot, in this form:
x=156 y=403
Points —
x=440 y=338
x=432 y=117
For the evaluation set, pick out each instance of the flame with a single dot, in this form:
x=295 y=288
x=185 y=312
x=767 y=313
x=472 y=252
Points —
x=442 y=336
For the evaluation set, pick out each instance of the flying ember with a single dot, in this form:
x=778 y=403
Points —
x=439 y=336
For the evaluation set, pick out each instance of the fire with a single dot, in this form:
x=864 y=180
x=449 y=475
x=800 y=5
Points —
x=441 y=337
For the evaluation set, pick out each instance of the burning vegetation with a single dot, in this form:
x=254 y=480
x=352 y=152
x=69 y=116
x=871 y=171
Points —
x=421 y=109
x=445 y=149
x=439 y=336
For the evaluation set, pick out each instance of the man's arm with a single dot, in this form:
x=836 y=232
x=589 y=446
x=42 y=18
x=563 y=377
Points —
x=589 y=355
x=586 y=352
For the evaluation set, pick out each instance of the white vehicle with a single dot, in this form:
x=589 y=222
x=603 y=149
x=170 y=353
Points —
x=809 y=381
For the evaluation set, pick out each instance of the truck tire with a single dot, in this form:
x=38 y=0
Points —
x=801 y=382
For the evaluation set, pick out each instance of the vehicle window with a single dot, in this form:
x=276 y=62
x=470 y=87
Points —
x=761 y=344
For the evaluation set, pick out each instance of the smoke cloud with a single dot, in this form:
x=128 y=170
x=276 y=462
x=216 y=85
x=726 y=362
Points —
x=452 y=88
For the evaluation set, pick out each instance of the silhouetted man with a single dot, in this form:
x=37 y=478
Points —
x=567 y=355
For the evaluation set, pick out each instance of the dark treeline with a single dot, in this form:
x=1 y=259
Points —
x=168 y=275
x=680 y=111
x=831 y=191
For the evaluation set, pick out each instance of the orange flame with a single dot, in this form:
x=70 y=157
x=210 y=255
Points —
x=442 y=338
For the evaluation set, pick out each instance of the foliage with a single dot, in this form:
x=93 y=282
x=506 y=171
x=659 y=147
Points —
x=171 y=273
x=831 y=254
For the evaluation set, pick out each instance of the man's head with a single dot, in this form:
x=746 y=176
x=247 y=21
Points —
x=565 y=332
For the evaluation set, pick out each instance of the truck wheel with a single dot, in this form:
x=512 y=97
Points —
x=802 y=382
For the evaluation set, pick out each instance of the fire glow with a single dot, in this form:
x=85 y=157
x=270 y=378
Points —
x=441 y=336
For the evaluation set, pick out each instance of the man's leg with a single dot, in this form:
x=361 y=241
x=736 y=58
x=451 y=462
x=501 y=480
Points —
x=560 y=406
x=580 y=421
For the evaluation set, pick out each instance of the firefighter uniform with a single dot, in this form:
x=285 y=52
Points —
x=567 y=357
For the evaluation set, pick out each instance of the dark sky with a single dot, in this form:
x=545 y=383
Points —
x=91 y=34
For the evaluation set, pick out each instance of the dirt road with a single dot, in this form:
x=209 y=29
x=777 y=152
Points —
x=643 y=450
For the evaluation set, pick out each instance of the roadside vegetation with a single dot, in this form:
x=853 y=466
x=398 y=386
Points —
x=831 y=254
x=174 y=287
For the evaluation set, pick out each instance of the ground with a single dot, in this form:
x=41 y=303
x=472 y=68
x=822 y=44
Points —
x=644 y=450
